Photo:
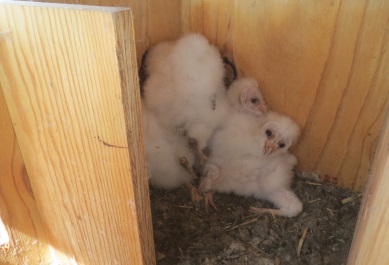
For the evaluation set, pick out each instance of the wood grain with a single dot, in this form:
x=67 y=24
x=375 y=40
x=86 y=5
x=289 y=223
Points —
x=70 y=81
x=370 y=243
x=18 y=209
x=154 y=20
x=325 y=64
x=362 y=105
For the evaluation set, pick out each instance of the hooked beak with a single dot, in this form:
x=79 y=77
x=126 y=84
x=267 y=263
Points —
x=269 y=148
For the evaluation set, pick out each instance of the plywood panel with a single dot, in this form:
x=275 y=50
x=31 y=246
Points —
x=324 y=63
x=214 y=19
x=359 y=118
x=18 y=209
x=370 y=243
x=69 y=79
x=154 y=20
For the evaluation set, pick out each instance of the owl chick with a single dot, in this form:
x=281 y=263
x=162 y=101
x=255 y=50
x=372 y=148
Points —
x=244 y=95
x=185 y=87
x=169 y=159
x=250 y=157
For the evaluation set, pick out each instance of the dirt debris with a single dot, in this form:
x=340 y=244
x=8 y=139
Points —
x=321 y=234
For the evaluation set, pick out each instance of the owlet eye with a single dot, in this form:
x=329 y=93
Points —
x=254 y=100
x=281 y=145
x=268 y=133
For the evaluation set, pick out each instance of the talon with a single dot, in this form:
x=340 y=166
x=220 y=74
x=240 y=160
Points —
x=194 y=195
x=273 y=212
x=208 y=201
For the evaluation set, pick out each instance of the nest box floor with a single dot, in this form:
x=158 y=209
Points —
x=234 y=235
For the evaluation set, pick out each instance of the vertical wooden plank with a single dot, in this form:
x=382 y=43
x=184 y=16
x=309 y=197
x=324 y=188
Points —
x=330 y=89
x=139 y=12
x=163 y=20
x=18 y=209
x=154 y=20
x=370 y=244
x=214 y=19
x=132 y=116
x=358 y=120
x=325 y=64
x=192 y=16
x=72 y=92
x=284 y=45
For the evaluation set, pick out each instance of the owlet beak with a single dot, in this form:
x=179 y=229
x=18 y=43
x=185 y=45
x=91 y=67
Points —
x=263 y=108
x=269 y=148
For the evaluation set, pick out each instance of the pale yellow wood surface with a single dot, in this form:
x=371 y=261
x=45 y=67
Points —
x=69 y=79
x=324 y=63
x=370 y=244
x=154 y=20
x=18 y=209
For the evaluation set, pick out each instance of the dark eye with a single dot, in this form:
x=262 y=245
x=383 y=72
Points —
x=254 y=100
x=281 y=145
x=268 y=133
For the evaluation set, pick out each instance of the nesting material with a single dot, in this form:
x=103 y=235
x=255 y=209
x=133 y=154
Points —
x=321 y=234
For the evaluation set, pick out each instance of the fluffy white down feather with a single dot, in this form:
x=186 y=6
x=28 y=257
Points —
x=184 y=84
x=244 y=95
x=164 y=148
x=243 y=168
x=185 y=81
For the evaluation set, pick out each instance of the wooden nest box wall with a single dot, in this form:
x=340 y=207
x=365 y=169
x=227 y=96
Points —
x=73 y=184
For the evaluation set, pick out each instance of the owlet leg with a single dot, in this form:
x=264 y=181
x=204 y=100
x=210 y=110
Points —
x=194 y=146
x=208 y=201
x=194 y=195
x=265 y=210
x=206 y=184
x=285 y=200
